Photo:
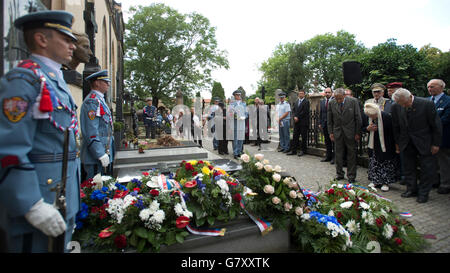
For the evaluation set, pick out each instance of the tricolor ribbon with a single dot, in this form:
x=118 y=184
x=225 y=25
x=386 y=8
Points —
x=406 y=214
x=263 y=225
x=206 y=231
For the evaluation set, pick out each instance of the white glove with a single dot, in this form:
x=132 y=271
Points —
x=46 y=218
x=104 y=159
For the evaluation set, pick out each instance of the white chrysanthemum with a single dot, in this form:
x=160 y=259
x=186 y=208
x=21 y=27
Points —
x=388 y=231
x=154 y=206
x=158 y=217
x=331 y=213
x=178 y=209
x=352 y=226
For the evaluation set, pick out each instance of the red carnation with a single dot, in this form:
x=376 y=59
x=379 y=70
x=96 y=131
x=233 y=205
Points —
x=136 y=189
x=395 y=228
x=200 y=162
x=194 y=173
x=154 y=192
x=189 y=167
x=120 y=241
x=182 y=221
x=339 y=215
x=237 y=197
x=82 y=195
x=330 y=191
x=210 y=167
x=398 y=241
x=120 y=194
x=145 y=173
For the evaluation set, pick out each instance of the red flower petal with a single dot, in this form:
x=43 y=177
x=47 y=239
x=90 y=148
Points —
x=182 y=221
x=105 y=233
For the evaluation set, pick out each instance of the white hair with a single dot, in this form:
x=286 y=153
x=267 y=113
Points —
x=339 y=91
x=441 y=82
x=401 y=93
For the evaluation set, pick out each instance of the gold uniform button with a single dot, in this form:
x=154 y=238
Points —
x=49 y=181
x=60 y=107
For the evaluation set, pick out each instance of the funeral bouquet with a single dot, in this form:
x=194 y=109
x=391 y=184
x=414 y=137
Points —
x=273 y=196
x=375 y=224
x=210 y=193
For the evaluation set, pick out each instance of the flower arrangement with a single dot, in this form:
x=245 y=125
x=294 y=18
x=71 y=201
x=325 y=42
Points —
x=210 y=193
x=274 y=197
x=369 y=218
x=140 y=215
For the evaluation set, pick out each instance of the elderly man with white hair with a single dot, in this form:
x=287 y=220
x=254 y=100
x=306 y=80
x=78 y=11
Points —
x=442 y=103
x=418 y=134
x=378 y=124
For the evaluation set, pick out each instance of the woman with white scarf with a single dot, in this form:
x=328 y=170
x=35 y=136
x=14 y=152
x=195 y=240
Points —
x=381 y=146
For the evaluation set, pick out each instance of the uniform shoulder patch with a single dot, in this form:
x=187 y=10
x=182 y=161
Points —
x=92 y=96
x=15 y=108
x=91 y=114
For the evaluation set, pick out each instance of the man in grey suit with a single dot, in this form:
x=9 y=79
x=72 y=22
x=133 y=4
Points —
x=344 y=126
x=418 y=134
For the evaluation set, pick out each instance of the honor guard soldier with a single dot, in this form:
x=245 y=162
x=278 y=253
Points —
x=96 y=127
x=150 y=119
x=38 y=109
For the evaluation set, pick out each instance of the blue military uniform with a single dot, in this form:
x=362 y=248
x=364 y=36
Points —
x=240 y=113
x=150 y=120
x=96 y=128
x=37 y=108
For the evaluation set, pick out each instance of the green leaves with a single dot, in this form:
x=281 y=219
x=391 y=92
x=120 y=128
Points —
x=167 y=50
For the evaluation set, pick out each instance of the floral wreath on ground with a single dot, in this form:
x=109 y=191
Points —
x=139 y=215
x=210 y=193
x=272 y=195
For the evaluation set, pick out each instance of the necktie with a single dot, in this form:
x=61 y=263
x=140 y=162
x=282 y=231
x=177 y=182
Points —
x=342 y=106
x=326 y=105
x=433 y=99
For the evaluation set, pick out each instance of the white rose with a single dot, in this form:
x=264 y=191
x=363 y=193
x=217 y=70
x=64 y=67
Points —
x=265 y=161
x=269 y=189
x=298 y=211
x=259 y=165
x=277 y=168
x=293 y=194
x=259 y=157
x=276 y=200
x=276 y=177
x=245 y=158
x=287 y=206
x=287 y=180
x=268 y=168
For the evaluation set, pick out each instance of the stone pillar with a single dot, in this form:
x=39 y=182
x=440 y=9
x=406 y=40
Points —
x=179 y=98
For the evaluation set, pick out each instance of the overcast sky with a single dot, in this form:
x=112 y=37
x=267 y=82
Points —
x=249 y=30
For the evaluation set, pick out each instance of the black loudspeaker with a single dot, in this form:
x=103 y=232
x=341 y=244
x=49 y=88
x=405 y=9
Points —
x=352 y=72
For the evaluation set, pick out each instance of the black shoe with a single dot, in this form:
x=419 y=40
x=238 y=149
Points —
x=325 y=160
x=291 y=153
x=332 y=162
x=301 y=153
x=221 y=153
x=236 y=157
x=226 y=153
x=339 y=177
x=443 y=190
x=422 y=199
x=286 y=151
x=259 y=148
x=402 y=182
x=408 y=194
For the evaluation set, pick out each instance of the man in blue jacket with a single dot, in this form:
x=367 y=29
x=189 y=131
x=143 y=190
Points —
x=442 y=103
x=37 y=109
x=96 y=127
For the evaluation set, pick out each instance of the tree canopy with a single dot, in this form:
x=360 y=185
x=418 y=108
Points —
x=166 y=51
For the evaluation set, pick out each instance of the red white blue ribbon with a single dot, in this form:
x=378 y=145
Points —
x=206 y=231
x=263 y=225
x=406 y=214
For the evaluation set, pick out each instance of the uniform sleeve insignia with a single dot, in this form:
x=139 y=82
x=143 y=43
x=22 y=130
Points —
x=91 y=115
x=15 y=108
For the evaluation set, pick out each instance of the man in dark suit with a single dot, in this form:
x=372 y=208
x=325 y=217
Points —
x=323 y=125
x=344 y=126
x=301 y=123
x=442 y=103
x=418 y=134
